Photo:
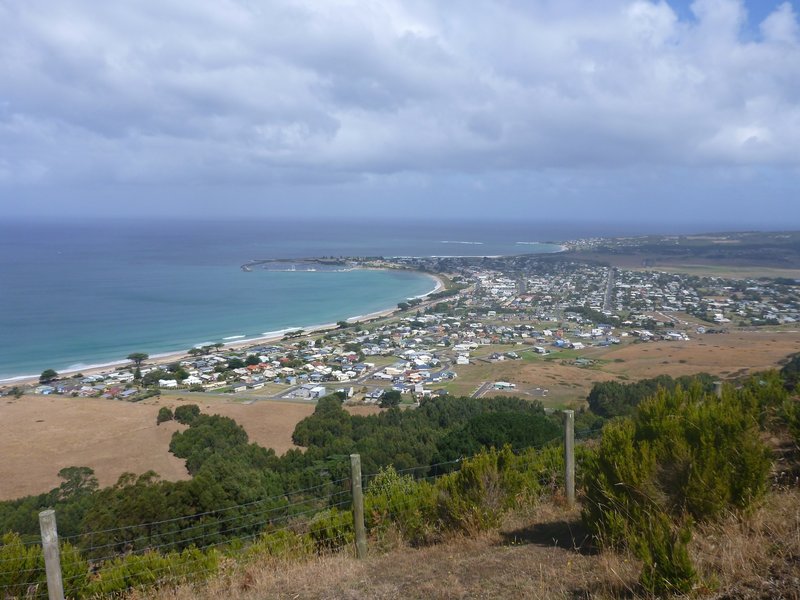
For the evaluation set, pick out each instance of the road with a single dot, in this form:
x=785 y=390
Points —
x=609 y=289
x=484 y=387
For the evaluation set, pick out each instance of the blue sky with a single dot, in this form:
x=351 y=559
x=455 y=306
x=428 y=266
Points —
x=637 y=111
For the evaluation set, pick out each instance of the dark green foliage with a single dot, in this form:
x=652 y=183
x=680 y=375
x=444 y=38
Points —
x=187 y=413
x=791 y=415
x=475 y=497
x=47 y=376
x=401 y=503
x=391 y=398
x=164 y=414
x=663 y=549
x=613 y=399
x=138 y=358
x=252 y=360
x=282 y=543
x=236 y=363
x=144 y=570
x=153 y=377
x=417 y=438
x=21 y=566
x=685 y=455
x=208 y=435
x=496 y=429
x=791 y=373
x=331 y=529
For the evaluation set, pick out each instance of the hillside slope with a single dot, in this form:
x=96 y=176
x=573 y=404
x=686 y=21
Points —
x=541 y=554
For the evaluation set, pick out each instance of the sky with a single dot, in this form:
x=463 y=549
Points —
x=610 y=110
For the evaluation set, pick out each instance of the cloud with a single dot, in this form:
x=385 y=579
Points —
x=173 y=91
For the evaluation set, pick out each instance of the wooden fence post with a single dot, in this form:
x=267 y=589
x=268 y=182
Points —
x=358 y=506
x=52 y=559
x=718 y=388
x=569 y=456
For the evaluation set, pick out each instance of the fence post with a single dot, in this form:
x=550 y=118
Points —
x=718 y=388
x=358 y=506
x=569 y=456
x=52 y=559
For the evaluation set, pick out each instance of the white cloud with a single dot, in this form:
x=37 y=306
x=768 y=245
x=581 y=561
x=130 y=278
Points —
x=212 y=91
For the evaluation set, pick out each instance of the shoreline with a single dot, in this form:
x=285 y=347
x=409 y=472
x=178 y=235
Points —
x=268 y=337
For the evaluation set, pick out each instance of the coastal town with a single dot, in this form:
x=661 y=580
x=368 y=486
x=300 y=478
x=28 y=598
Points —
x=488 y=311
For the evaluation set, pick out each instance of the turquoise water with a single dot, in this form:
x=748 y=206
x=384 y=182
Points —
x=81 y=294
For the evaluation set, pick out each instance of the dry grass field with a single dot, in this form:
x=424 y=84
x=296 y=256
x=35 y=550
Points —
x=39 y=435
x=725 y=355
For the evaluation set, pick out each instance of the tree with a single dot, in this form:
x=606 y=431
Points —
x=153 y=377
x=164 y=414
x=187 y=413
x=235 y=363
x=252 y=360
x=47 y=376
x=138 y=358
x=77 y=481
x=390 y=398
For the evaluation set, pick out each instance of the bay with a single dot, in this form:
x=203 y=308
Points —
x=81 y=293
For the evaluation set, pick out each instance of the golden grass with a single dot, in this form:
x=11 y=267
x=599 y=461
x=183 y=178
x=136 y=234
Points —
x=541 y=552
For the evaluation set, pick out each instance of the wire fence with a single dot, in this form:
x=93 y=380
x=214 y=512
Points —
x=405 y=503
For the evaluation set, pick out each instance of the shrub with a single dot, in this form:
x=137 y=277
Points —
x=164 y=414
x=282 y=543
x=475 y=497
x=400 y=502
x=331 y=529
x=791 y=415
x=22 y=567
x=151 y=569
x=187 y=413
x=684 y=456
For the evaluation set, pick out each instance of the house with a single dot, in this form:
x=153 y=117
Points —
x=167 y=383
x=504 y=385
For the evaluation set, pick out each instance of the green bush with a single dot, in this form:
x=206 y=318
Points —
x=791 y=415
x=282 y=543
x=400 y=502
x=151 y=569
x=474 y=497
x=164 y=414
x=74 y=571
x=331 y=529
x=684 y=456
x=187 y=413
x=21 y=568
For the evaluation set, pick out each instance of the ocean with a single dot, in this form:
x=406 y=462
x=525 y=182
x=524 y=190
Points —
x=76 y=294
